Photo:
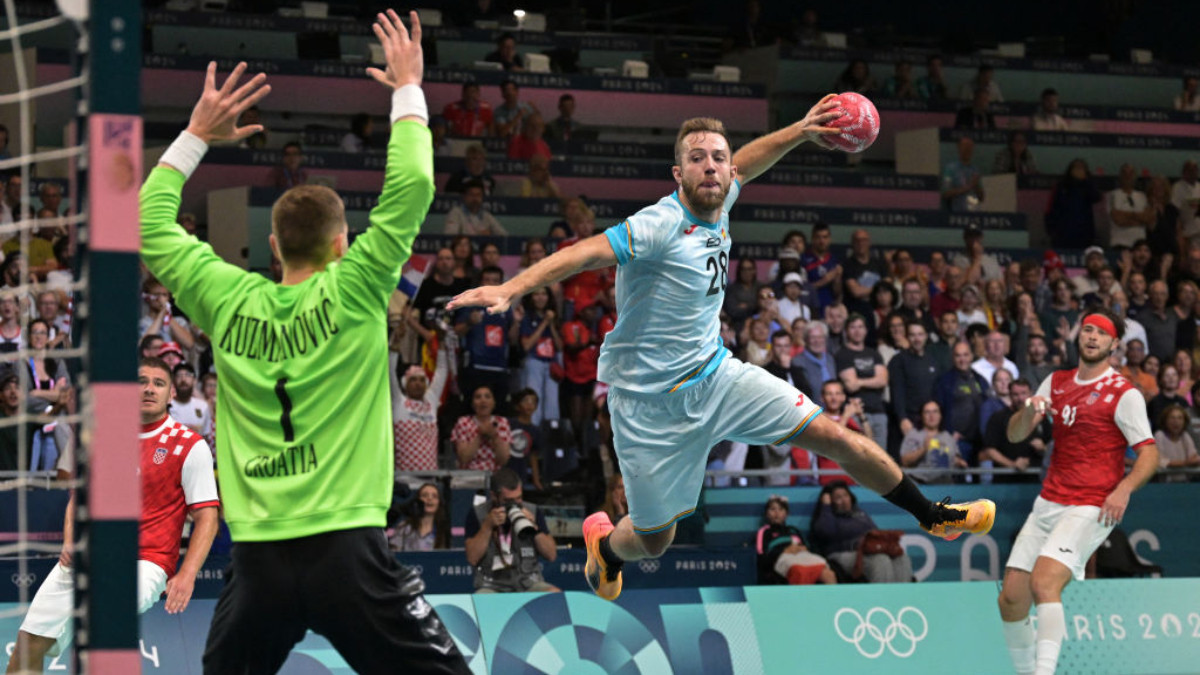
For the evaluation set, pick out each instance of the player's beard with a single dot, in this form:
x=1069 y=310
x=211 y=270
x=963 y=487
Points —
x=1083 y=359
x=705 y=201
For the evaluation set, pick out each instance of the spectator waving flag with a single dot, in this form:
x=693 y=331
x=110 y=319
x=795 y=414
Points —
x=414 y=274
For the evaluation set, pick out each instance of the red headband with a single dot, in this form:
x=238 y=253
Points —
x=1102 y=322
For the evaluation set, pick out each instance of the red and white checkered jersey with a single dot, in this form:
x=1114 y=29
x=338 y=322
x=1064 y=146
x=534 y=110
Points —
x=414 y=421
x=467 y=429
x=176 y=469
x=1094 y=422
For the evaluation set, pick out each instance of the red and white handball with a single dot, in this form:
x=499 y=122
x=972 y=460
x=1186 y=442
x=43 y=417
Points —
x=859 y=123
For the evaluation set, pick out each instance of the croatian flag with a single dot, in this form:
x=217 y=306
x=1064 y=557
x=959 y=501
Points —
x=414 y=274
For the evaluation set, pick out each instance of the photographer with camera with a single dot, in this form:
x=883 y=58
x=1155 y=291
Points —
x=505 y=539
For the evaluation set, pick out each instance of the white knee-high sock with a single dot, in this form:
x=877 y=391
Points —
x=1051 y=629
x=1020 y=638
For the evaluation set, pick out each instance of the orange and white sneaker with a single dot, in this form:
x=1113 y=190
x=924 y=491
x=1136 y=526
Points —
x=603 y=578
x=975 y=517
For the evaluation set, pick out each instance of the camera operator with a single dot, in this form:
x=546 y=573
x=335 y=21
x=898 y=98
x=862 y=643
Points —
x=505 y=538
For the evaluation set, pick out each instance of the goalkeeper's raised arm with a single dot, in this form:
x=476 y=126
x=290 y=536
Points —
x=186 y=266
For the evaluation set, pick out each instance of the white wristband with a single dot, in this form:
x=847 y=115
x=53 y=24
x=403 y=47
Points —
x=409 y=100
x=185 y=153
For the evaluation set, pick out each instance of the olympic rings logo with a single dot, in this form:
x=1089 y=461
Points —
x=648 y=566
x=879 y=630
x=23 y=580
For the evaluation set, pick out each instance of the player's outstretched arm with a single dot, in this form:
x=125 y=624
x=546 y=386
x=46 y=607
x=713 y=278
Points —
x=595 y=252
x=375 y=259
x=188 y=267
x=1027 y=418
x=754 y=158
x=180 y=586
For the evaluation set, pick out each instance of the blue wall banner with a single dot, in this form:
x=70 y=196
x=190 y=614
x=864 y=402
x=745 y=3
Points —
x=1075 y=139
x=1114 y=627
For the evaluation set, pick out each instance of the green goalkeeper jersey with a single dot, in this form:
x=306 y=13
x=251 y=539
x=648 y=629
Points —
x=304 y=433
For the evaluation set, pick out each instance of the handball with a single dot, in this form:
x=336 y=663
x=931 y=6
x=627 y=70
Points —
x=859 y=123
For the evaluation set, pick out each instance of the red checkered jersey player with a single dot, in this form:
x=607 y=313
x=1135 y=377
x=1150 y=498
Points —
x=1097 y=414
x=176 y=471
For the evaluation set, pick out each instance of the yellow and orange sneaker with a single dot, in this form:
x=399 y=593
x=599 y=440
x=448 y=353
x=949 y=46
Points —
x=975 y=517
x=603 y=578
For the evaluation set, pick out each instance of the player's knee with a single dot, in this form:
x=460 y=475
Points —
x=1045 y=588
x=31 y=648
x=1008 y=601
x=654 y=545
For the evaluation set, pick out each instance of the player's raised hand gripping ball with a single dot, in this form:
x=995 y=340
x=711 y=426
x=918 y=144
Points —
x=859 y=123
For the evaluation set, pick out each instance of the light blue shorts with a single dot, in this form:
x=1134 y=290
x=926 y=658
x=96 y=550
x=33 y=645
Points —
x=662 y=440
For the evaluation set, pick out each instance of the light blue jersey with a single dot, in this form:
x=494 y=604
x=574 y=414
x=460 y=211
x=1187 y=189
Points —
x=673 y=269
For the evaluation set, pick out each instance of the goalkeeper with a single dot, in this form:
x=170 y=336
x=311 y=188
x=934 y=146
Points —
x=305 y=441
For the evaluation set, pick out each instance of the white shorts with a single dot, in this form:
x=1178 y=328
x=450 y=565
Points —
x=1068 y=534
x=50 y=612
x=662 y=440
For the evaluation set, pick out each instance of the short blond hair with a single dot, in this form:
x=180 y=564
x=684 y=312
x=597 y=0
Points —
x=305 y=221
x=698 y=124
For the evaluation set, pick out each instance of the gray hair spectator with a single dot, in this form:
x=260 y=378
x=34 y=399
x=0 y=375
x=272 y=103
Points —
x=817 y=358
x=1161 y=323
x=995 y=357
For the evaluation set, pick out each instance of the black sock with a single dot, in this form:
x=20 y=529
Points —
x=908 y=496
x=606 y=552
